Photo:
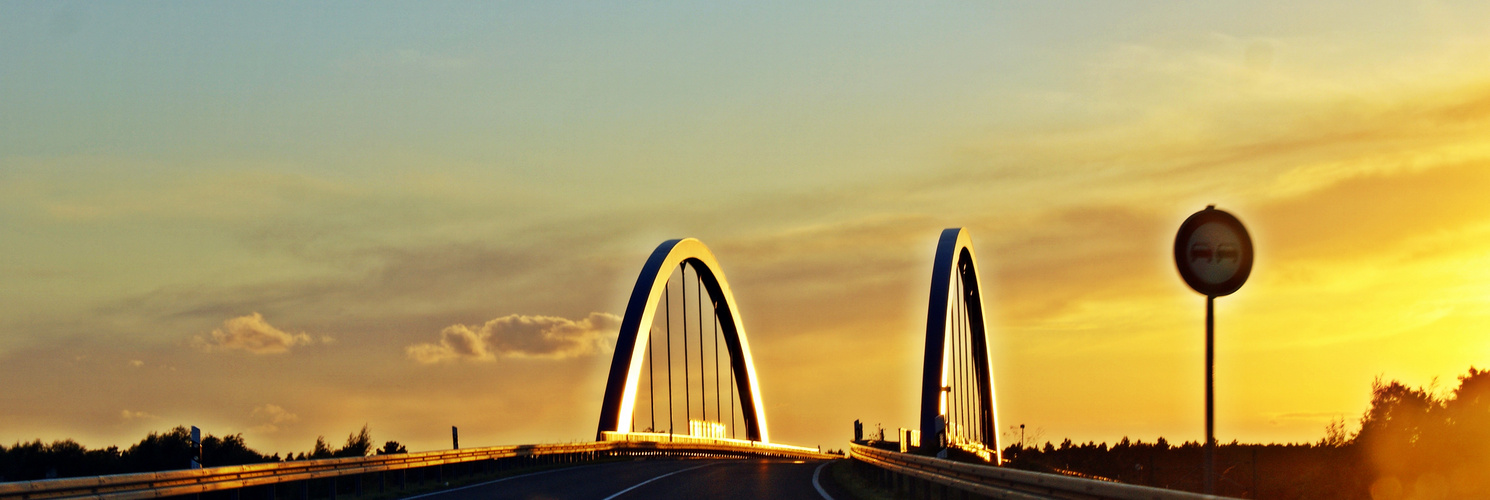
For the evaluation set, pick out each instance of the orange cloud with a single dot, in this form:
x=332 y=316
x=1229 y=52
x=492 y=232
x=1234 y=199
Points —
x=520 y=336
x=251 y=333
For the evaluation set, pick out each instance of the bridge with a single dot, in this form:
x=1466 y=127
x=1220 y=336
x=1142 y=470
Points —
x=683 y=416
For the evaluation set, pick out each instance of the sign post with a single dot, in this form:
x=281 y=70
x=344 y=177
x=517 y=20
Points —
x=196 y=447
x=1214 y=255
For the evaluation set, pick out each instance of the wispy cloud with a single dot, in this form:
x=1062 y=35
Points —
x=251 y=333
x=272 y=417
x=519 y=336
x=136 y=415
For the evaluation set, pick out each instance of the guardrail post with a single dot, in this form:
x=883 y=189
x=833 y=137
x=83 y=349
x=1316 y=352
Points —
x=358 y=479
x=332 y=482
x=305 y=490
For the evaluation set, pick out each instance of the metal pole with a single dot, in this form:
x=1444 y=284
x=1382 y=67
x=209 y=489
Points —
x=1210 y=395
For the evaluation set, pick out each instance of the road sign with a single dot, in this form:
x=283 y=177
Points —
x=1213 y=252
x=196 y=447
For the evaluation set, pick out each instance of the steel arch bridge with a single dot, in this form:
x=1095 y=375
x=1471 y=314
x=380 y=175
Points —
x=636 y=349
x=957 y=394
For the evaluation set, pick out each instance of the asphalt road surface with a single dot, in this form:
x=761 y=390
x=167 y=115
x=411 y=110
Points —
x=662 y=479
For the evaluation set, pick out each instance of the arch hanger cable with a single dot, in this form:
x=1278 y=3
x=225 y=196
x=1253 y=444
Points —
x=697 y=273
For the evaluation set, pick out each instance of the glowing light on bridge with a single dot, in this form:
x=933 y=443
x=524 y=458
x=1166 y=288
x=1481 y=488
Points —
x=711 y=430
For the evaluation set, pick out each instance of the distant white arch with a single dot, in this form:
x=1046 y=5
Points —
x=955 y=259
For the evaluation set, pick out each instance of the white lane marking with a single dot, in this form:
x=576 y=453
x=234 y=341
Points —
x=530 y=474
x=815 y=484
x=638 y=485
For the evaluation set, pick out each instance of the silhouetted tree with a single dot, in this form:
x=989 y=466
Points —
x=321 y=449
x=359 y=444
x=230 y=450
x=392 y=447
x=1419 y=444
x=165 y=451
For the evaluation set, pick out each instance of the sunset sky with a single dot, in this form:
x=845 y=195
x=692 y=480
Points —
x=259 y=218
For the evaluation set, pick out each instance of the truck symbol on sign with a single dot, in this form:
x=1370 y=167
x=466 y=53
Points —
x=1202 y=251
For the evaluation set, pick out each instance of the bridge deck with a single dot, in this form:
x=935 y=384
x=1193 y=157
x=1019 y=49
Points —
x=661 y=479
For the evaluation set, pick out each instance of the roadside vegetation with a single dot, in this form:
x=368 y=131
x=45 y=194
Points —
x=1412 y=443
x=168 y=450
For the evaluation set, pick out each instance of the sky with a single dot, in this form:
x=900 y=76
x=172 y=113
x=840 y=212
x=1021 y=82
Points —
x=288 y=221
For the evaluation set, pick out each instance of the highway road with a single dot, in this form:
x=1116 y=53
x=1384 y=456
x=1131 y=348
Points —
x=662 y=479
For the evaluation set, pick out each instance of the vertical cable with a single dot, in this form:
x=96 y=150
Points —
x=717 y=412
x=651 y=386
x=953 y=416
x=687 y=407
x=732 y=398
x=954 y=399
x=975 y=384
x=969 y=402
x=961 y=356
x=703 y=391
x=957 y=354
x=668 y=309
x=974 y=406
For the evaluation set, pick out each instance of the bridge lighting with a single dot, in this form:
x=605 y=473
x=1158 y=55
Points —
x=709 y=430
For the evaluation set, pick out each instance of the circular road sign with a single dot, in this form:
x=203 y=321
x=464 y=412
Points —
x=1213 y=252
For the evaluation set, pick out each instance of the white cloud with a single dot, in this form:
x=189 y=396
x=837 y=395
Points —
x=251 y=333
x=519 y=336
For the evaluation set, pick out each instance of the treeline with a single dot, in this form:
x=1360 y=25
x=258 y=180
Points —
x=161 y=451
x=1412 y=443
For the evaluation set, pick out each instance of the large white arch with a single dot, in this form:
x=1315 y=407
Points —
x=954 y=254
x=625 y=371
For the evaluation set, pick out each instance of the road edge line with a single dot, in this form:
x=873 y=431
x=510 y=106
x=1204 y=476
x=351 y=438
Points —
x=815 y=484
x=638 y=485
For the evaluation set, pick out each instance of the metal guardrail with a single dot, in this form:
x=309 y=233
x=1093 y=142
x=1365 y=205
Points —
x=1006 y=483
x=189 y=482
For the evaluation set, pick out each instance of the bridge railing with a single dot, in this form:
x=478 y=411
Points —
x=186 y=482
x=909 y=472
x=641 y=441
x=237 y=477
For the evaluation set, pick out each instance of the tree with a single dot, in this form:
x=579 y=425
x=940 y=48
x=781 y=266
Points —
x=230 y=450
x=359 y=444
x=392 y=447
x=166 y=451
x=321 y=449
